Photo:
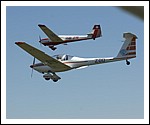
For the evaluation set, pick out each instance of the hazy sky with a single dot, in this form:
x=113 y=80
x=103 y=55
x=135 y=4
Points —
x=107 y=91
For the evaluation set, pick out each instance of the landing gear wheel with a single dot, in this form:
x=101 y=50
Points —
x=47 y=78
x=52 y=47
x=55 y=80
x=127 y=62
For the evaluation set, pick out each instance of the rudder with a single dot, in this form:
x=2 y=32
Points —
x=128 y=49
x=96 y=32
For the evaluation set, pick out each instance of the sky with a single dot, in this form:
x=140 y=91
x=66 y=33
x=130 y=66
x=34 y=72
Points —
x=107 y=91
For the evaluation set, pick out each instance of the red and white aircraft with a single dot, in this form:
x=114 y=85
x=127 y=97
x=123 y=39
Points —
x=54 y=39
x=60 y=63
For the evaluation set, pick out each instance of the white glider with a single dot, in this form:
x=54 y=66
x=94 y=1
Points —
x=60 y=63
x=54 y=39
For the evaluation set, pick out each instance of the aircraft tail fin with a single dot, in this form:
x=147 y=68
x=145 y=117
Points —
x=128 y=49
x=96 y=32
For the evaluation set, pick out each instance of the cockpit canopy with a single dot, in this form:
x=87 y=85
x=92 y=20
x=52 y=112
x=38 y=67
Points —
x=62 y=57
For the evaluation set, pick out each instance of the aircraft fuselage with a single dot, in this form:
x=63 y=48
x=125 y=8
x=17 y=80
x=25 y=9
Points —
x=66 y=39
x=74 y=63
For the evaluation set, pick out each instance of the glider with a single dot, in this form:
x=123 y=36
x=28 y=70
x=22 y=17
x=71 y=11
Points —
x=60 y=63
x=54 y=39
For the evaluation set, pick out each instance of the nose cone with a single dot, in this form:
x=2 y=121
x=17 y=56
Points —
x=31 y=66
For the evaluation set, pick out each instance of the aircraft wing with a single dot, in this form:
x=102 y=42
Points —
x=52 y=36
x=44 y=58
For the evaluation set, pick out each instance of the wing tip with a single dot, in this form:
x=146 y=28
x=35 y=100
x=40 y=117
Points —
x=40 y=25
x=19 y=43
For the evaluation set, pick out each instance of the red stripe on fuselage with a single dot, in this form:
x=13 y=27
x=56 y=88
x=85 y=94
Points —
x=45 y=39
x=65 y=41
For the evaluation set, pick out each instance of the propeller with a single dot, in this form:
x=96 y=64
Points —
x=40 y=40
x=32 y=67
